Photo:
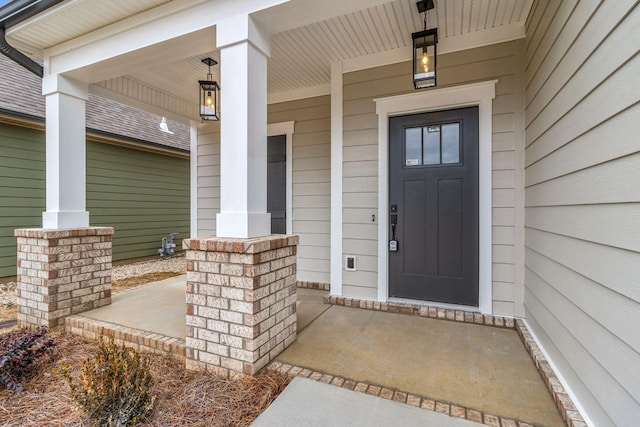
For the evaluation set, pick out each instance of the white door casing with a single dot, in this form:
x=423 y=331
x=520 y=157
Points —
x=480 y=94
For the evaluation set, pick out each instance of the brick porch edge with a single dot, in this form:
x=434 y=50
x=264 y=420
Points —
x=565 y=405
x=314 y=285
x=399 y=396
x=241 y=302
x=137 y=339
x=62 y=272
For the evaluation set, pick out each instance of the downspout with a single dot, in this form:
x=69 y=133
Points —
x=14 y=13
x=18 y=57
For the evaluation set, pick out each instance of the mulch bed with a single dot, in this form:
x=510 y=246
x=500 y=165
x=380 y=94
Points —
x=183 y=398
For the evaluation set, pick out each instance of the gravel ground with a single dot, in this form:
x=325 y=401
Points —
x=7 y=294
x=175 y=263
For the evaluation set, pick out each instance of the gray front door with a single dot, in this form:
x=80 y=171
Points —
x=276 y=183
x=433 y=201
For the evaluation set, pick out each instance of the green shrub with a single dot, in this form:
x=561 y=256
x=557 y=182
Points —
x=18 y=351
x=115 y=385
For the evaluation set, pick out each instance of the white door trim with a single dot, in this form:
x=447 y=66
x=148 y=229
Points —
x=287 y=129
x=474 y=94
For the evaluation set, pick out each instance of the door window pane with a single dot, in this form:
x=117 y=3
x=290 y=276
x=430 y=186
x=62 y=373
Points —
x=413 y=146
x=451 y=143
x=431 y=153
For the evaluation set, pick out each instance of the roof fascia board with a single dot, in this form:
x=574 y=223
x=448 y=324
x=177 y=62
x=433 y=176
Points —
x=38 y=123
x=18 y=11
x=109 y=138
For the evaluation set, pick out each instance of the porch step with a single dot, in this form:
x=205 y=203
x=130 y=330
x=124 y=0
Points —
x=137 y=339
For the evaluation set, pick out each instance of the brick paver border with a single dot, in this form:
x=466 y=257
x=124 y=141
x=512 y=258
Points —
x=399 y=396
x=563 y=401
x=137 y=339
x=313 y=285
x=424 y=311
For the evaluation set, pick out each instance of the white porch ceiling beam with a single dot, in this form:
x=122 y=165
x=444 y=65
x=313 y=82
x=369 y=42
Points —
x=148 y=99
x=502 y=34
x=301 y=93
x=176 y=30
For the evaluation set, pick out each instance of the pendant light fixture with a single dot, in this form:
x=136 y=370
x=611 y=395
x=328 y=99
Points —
x=209 y=95
x=424 y=51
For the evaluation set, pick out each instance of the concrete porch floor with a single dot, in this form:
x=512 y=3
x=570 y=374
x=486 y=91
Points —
x=473 y=366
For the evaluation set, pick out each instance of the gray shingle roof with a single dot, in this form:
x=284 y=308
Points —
x=20 y=92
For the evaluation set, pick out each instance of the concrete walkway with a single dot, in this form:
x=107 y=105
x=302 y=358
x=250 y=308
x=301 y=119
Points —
x=315 y=404
x=158 y=307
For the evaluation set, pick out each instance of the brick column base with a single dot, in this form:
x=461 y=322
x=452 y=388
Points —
x=62 y=272
x=241 y=302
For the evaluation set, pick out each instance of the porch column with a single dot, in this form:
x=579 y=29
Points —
x=63 y=268
x=244 y=49
x=65 y=153
x=241 y=284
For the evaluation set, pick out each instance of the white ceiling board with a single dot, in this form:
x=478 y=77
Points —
x=301 y=56
x=298 y=13
x=309 y=36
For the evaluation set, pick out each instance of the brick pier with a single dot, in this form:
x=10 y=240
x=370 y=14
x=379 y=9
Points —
x=62 y=272
x=241 y=302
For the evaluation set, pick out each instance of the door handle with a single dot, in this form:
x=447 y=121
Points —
x=393 y=243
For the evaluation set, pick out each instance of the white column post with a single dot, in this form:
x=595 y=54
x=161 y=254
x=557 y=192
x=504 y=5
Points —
x=244 y=49
x=65 y=153
x=336 y=178
x=193 y=168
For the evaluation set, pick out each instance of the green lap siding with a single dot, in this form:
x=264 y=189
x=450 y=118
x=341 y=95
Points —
x=22 y=188
x=143 y=195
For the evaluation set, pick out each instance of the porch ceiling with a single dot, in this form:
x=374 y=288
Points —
x=302 y=47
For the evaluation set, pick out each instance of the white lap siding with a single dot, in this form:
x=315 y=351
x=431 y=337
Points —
x=208 y=178
x=311 y=181
x=582 y=297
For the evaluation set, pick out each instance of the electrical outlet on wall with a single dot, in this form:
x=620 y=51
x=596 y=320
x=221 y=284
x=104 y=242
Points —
x=350 y=263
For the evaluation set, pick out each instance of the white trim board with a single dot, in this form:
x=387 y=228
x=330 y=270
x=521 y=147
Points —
x=475 y=94
x=476 y=39
x=193 y=173
x=287 y=129
x=558 y=372
x=335 y=269
x=300 y=93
